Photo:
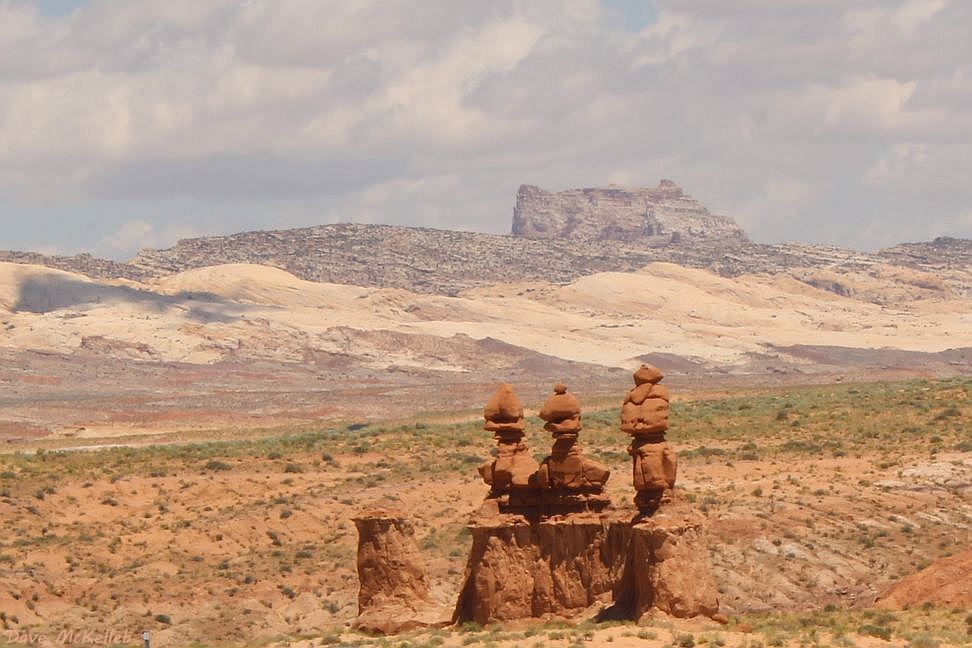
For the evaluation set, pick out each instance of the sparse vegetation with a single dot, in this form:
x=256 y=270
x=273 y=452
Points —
x=271 y=512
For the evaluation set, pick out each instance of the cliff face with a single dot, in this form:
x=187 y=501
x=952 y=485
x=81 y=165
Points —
x=521 y=569
x=659 y=216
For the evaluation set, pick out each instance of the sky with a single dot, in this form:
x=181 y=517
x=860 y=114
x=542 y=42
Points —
x=133 y=124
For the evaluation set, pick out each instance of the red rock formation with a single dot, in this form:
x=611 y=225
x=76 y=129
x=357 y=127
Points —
x=512 y=473
x=561 y=549
x=394 y=591
x=568 y=480
x=644 y=416
x=947 y=583
x=564 y=565
x=670 y=568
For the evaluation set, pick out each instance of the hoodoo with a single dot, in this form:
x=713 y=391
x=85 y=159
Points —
x=394 y=589
x=512 y=475
x=568 y=480
x=644 y=415
x=550 y=544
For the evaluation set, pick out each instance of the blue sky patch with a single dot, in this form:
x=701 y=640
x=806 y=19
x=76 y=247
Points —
x=633 y=15
x=59 y=7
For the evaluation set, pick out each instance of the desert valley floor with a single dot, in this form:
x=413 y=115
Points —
x=817 y=498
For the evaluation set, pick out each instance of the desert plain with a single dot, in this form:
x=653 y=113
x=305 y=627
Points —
x=185 y=455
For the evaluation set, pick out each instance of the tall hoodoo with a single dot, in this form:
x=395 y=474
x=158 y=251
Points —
x=568 y=480
x=511 y=475
x=644 y=416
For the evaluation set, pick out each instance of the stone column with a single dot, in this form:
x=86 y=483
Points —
x=394 y=589
x=644 y=416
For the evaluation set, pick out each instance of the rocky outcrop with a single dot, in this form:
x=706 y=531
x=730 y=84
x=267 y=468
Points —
x=946 y=583
x=549 y=544
x=562 y=566
x=659 y=216
x=670 y=569
x=518 y=569
x=546 y=541
x=394 y=590
x=943 y=252
x=85 y=264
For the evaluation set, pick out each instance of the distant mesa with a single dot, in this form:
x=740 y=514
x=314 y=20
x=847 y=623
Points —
x=664 y=214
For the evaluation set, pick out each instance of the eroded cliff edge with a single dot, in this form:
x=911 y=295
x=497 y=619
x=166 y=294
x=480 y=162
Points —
x=563 y=565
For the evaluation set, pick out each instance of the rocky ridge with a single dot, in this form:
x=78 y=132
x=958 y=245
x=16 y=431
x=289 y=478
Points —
x=944 y=252
x=557 y=238
x=84 y=263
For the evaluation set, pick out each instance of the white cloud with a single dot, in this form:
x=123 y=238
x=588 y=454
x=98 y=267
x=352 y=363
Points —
x=781 y=200
x=134 y=235
x=806 y=118
x=131 y=235
x=930 y=170
x=916 y=13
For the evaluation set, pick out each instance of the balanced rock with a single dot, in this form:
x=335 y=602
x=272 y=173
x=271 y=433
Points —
x=504 y=412
x=644 y=415
x=568 y=480
x=512 y=474
x=648 y=374
x=560 y=408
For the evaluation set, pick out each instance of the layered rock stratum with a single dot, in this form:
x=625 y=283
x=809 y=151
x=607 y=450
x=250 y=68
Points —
x=561 y=566
x=608 y=320
x=656 y=217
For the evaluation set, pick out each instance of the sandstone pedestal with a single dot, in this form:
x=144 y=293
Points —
x=561 y=566
x=670 y=569
x=394 y=594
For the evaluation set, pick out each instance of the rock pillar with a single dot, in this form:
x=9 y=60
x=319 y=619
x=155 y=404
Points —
x=394 y=589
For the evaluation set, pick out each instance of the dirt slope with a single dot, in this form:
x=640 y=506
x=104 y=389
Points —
x=945 y=583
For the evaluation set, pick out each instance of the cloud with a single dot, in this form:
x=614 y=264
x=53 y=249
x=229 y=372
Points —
x=131 y=235
x=915 y=13
x=807 y=119
x=135 y=235
x=780 y=199
x=260 y=175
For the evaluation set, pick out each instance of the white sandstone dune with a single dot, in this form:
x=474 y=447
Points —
x=255 y=311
